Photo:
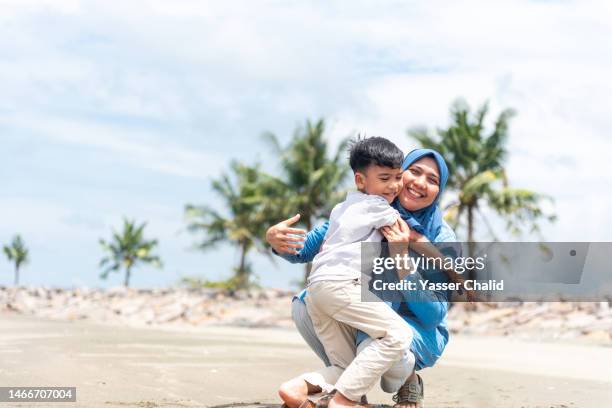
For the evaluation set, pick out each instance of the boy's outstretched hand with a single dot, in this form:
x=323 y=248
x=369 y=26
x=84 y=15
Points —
x=284 y=239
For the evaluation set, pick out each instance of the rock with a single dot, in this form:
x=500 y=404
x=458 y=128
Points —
x=590 y=322
x=560 y=307
x=481 y=318
x=170 y=314
x=603 y=336
x=577 y=320
x=241 y=294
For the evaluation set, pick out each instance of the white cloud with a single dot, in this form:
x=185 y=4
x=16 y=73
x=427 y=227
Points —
x=181 y=87
x=13 y=8
x=147 y=150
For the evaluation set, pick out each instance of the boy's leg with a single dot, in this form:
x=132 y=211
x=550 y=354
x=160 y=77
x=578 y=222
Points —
x=396 y=376
x=337 y=339
x=392 y=337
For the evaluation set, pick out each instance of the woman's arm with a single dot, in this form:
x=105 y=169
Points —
x=289 y=243
x=429 y=307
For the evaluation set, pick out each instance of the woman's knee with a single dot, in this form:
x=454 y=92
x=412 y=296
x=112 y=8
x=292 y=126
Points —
x=303 y=323
x=298 y=312
x=396 y=376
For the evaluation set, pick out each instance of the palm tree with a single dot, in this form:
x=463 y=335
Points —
x=312 y=180
x=17 y=253
x=477 y=173
x=250 y=198
x=127 y=249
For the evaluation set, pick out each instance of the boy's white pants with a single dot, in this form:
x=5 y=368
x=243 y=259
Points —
x=336 y=310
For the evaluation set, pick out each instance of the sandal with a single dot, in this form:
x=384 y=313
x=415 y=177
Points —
x=306 y=404
x=413 y=391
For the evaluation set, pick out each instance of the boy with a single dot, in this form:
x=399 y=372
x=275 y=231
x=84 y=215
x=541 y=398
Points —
x=334 y=287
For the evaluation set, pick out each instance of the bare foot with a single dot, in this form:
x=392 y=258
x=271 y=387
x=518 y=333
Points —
x=340 y=401
x=295 y=392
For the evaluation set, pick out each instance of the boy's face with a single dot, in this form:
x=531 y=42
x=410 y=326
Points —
x=382 y=181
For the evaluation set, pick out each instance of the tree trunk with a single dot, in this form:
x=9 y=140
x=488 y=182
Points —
x=128 y=272
x=470 y=223
x=242 y=272
x=16 y=276
x=470 y=236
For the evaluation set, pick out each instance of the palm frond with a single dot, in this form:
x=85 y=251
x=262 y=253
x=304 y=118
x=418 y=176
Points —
x=271 y=140
x=476 y=166
x=127 y=247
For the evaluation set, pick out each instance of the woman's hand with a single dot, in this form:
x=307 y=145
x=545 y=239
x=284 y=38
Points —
x=284 y=239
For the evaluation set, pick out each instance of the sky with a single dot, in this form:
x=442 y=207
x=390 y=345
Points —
x=129 y=109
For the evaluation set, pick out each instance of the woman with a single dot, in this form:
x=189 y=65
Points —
x=424 y=179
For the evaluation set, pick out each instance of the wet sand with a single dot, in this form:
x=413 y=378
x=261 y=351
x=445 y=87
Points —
x=129 y=367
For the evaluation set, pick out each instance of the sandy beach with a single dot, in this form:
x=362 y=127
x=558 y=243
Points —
x=117 y=366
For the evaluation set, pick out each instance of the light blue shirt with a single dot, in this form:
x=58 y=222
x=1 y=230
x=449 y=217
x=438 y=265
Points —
x=426 y=315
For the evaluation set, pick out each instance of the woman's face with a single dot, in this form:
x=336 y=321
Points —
x=421 y=184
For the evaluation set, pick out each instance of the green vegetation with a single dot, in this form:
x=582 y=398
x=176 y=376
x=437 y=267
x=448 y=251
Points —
x=18 y=254
x=477 y=173
x=310 y=183
x=229 y=285
x=128 y=249
x=312 y=178
x=251 y=199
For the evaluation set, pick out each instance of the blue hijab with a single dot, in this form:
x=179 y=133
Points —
x=426 y=221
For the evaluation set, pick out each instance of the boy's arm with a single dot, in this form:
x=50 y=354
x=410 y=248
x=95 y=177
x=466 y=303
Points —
x=312 y=245
x=378 y=213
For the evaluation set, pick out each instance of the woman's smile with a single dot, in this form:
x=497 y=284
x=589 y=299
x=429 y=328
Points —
x=411 y=191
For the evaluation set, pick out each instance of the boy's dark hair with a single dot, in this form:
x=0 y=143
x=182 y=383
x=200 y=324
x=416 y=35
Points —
x=364 y=152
